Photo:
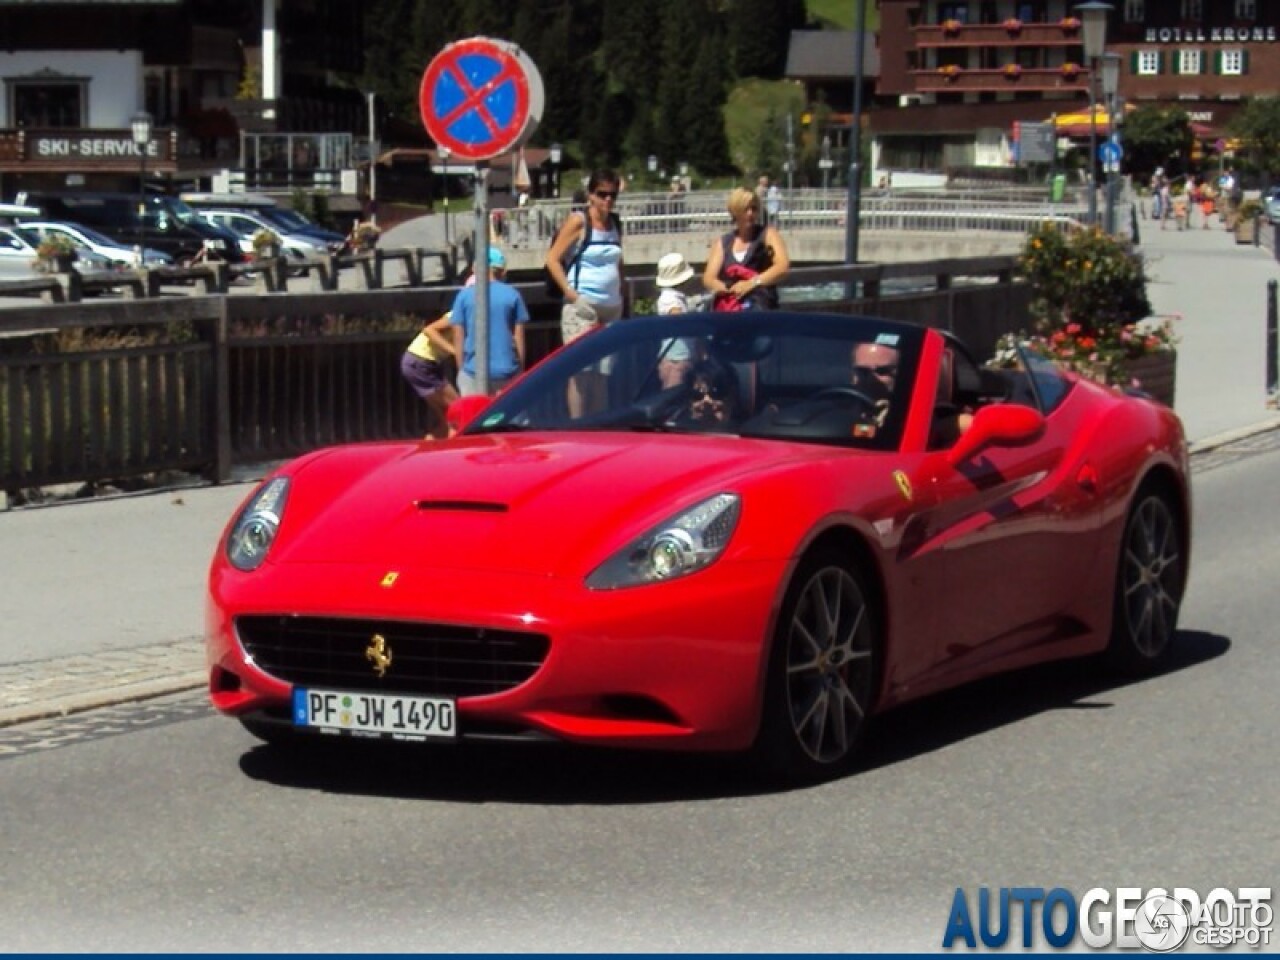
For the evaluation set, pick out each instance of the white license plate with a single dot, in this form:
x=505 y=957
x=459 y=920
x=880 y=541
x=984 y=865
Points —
x=375 y=713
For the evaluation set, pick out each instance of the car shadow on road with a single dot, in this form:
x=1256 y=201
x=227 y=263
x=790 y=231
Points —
x=554 y=773
x=948 y=718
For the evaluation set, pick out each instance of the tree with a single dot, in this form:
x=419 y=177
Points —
x=760 y=35
x=706 y=145
x=1257 y=123
x=1157 y=137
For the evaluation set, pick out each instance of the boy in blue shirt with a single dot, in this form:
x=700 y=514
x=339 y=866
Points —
x=507 y=317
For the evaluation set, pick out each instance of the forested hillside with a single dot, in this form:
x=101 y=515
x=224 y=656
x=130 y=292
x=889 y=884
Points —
x=624 y=78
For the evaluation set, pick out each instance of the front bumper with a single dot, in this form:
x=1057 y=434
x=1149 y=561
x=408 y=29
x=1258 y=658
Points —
x=674 y=665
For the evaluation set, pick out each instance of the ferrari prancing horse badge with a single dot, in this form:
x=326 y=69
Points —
x=904 y=485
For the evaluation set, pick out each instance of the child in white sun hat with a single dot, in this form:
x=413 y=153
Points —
x=673 y=271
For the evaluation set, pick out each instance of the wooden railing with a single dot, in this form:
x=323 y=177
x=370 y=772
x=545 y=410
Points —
x=93 y=392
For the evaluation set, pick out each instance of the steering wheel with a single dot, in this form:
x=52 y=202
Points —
x=853 y=392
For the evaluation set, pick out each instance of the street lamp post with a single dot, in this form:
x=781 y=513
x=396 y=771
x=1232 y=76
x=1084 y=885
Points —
x=653 y=168
x=825 y=162
x=556 y=154
x=373 y=161
x=140 y=127
x=854 y=201
x=1093 y=30
x=1110 y=82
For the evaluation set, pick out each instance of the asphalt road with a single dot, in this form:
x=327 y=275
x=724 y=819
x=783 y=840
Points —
x=155 y=826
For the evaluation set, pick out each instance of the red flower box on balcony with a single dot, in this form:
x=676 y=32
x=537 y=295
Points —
x=1069 y=24
x=1012 y=71
x=1013 y=25
x=950 y=71
x=1071 y=70
x=951 y=27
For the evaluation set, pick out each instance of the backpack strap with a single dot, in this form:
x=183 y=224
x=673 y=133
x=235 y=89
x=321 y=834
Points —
x=576 y=263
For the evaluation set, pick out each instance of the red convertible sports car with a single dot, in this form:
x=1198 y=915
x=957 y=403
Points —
x=707 y=532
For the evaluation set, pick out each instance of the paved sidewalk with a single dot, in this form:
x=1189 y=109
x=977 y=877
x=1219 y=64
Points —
x=1218 y=290
x=101 y=600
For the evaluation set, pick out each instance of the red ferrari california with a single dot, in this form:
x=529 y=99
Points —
x=733 y=532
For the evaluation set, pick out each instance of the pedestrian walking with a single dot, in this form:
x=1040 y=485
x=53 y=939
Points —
x=745 y=264
x=762 y=196
x=507 y=318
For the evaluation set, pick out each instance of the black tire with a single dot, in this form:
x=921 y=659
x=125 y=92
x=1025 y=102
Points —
x=1150 y=575
x=822 y=668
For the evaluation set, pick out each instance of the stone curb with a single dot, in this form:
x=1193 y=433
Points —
x=96 y=699
x=41 y=708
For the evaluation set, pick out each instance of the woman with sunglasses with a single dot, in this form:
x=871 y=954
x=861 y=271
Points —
x=744 y=265
x=585 y=261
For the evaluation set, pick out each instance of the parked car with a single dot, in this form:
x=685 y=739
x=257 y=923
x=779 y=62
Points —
x=118 y=253
x=167 y=224
x=281 y=220
x=755 y=542
x=18 y=255
x=1271 y=200
x=245 y=223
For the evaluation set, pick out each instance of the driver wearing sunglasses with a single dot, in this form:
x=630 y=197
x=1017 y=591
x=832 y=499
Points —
x=876 y=360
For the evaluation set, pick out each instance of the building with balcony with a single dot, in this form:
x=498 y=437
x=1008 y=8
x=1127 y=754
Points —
x=967 y=71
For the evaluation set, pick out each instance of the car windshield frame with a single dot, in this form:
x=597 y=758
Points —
x=788 y=376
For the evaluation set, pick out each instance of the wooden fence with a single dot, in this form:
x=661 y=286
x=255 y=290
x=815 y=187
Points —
x=95 y=392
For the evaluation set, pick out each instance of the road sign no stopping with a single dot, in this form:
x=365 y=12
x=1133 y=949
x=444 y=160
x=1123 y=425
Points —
x=480 y=98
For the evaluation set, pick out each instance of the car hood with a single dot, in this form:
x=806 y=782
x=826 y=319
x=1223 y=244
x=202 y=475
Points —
x=547 y=506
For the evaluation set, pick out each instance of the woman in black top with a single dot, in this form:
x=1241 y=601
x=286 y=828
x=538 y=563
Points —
x=744 y=265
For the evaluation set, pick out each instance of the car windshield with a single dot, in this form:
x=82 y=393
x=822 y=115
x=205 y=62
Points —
x=802 y=377
x=288 y=220
x=28 y=234
x=93 y=236
x=180 y=210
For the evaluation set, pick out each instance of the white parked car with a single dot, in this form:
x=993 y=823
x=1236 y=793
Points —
x=117 y=253
x=245 y=223
x=18 y=255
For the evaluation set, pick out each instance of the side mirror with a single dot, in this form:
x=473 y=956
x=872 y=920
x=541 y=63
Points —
x=465 y=409
x=1003 y=425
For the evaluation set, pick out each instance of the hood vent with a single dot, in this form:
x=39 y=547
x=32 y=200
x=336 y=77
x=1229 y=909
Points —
x=463 y=506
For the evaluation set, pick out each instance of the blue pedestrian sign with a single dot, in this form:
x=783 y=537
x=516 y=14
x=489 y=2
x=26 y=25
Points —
x=1110 y=153
x=480 y=98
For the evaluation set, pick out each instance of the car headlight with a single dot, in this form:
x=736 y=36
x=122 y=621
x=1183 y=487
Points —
x=256 y=527
x=686 y=543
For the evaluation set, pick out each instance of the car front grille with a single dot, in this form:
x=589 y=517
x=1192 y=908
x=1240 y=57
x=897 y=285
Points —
x=426 y=658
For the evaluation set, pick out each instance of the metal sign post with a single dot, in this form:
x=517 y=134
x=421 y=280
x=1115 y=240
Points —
x=480 y=98
x=481 y=270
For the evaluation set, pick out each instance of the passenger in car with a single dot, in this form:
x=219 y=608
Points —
x=713 y=399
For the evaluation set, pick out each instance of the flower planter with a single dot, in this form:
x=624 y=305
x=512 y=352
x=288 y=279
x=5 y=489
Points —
x=56 y=263
x=1247 y=230
x=1155 y=374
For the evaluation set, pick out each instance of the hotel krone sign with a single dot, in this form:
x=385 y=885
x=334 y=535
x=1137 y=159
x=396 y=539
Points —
x=1214 y=35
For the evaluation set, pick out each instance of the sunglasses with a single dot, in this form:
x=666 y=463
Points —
x=706 y=392
x=885 y=370
x=607 y=194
